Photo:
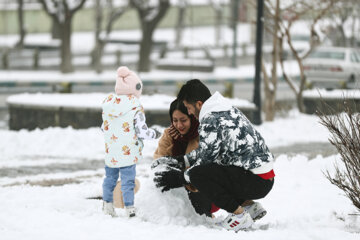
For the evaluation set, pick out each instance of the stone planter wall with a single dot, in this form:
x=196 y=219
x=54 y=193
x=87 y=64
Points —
x=336 y=105
x=31 y=117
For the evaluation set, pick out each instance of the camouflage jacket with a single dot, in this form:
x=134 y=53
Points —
x=228 y=138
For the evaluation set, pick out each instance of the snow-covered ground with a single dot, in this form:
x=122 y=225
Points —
x=48 y=176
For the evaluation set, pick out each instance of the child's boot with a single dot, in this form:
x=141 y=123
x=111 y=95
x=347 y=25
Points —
x=108 y=209
x=130 y=211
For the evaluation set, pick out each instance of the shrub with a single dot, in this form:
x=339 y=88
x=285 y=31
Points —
x=345 y=136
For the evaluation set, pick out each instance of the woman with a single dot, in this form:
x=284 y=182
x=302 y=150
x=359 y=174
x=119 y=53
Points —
x=179 y=139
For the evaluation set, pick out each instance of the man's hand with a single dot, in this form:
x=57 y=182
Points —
x=175 y=162
x=181 y=162
x=169 y=179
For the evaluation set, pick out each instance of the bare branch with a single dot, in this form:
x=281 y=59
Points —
x=72 y=11
x=345 y=136
x=286 y=77
x=114 y=15
x=46 y=8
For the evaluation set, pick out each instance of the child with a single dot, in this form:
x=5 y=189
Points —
x=124 y=129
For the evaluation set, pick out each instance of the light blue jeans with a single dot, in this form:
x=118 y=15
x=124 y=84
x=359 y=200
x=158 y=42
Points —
x=127 y=176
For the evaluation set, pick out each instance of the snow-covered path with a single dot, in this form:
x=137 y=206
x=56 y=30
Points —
x=58 y=205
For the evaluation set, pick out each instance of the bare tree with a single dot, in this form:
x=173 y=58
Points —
x=345 y=12
x=318 y=10
x=282 y=16
x=22 y=30
x=150 y=15
x=345 y=136
x=62 y=12
x=270 y=83
x=115 y=12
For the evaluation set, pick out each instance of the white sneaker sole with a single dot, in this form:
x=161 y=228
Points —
x=237 y=225
x=260 y=215
x=131 y=215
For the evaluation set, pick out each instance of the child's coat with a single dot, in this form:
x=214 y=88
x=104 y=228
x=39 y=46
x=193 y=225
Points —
x=122 y=146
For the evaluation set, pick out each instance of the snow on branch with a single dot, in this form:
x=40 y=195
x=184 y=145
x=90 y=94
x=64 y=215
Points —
x=60 y=9
x=150 y=10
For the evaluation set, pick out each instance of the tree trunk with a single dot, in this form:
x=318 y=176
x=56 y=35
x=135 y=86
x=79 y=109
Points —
x=180 y=24
x=234 y=20
x=299 y=96
x=218 y=21
x=145 y=48
x=22 y=30
x=300 y=102
x=342 y=41
x=55 y=30
x=299 y=92
x=270 y=88
x=98 y=49
x=149 y=21
x=97 y=55
x=66 y=62
x=63 y=23
x=269 y=96
x=353 y=32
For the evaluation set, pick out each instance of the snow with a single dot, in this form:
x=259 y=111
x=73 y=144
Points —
x=94 y=100
x=296 y=128
x=185 y=62
x=302 y=204
x=192 y=36
x=48 y=177
x=242 y=73
x=332 y=94
x=11 y=5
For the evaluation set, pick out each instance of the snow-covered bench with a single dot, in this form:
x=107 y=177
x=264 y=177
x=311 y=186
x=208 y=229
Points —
x=39 y=110
x=30 y=111
x=331 y=101
x=185 y=64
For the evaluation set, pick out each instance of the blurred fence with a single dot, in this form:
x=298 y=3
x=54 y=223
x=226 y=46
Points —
x=121 y=52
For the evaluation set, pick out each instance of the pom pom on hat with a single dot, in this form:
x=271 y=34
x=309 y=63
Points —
x=127 y=82
x=123 y=71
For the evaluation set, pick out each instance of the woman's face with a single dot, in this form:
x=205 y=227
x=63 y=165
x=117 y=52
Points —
x=181 y=122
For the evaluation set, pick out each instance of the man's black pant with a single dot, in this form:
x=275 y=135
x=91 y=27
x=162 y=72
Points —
x=228 y=186
x=200 y=202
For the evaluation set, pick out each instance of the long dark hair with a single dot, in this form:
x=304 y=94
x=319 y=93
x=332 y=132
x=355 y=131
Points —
x=181 y=141
x=177 y=105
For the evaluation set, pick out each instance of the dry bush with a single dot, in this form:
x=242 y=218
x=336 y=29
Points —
x=345 y=136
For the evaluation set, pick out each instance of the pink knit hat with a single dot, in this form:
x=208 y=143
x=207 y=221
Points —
x=127 y=82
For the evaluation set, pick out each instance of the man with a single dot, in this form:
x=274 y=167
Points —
x=231 y=164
